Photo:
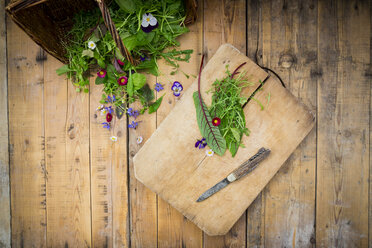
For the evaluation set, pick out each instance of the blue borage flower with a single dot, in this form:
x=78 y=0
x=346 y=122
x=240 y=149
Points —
x=159 y=87
x=106 y=125
x=201 y=143
x=133 y=125
x=132 y=112
x=111 y=99
x=177 y=88
x=109 y=109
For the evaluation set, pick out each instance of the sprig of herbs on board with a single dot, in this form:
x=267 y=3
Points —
x=92 y=45
x=226 y=110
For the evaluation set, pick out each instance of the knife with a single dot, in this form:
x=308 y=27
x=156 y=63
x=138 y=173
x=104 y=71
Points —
x=238 y=173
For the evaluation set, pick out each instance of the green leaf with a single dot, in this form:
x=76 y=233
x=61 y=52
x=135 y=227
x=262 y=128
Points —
x=89 y=53
x=101 y=63
x=144 y=38
x=139 y=80
x=128 y=6
x=100 y=80
x=153 y=107
x=130 y=42
x=211 y=133
x=236 y=134
x=146 y=93
x=130 y=86
x=62 y=70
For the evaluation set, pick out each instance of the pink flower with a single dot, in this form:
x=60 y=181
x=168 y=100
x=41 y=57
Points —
x=101 y=73
x=123 y=80
x=216 y=121
x=120 y=62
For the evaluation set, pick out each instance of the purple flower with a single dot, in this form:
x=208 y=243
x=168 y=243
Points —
x=177 y=88
x=111 y=99
x=148 y=23
x=109 y=109
x=201 y=143
x=133 y=113
x=134 y=125
x=106 y=125
x=159 y=87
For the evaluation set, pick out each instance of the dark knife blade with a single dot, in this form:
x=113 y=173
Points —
x=213 y=190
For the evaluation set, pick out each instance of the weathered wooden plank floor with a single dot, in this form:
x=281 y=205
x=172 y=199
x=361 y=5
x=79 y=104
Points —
x=64 y=184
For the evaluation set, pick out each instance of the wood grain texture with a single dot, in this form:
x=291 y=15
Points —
x=292 y=53
x=225 y=23
x=4 y=137
x=174 y=230
x=109 y=189
x=179 y=184
x=343 y=123
x=143 y=202
x=26 y=140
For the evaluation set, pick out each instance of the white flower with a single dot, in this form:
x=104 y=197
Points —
x=148 y=19
x=113 y=138
x=100 y=108
x=103 y=111
x=139 y=139
x=91 y=45
x=209 y=152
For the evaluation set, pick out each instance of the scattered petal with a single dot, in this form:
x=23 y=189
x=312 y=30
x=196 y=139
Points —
x=139 y=139
x=133 y=125
x=99 y=108
x=120 y=62
x=114 y=138
x=209 y=152
x=103 y=111
x=106 y=125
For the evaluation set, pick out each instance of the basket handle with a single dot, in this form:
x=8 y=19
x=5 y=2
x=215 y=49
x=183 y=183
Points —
x=114 y=33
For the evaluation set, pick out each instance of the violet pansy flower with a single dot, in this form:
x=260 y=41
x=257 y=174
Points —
x=148 y=23
x=177 y=88
x=201 y=143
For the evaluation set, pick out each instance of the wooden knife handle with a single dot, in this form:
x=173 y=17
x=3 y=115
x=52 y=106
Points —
x=248 y=165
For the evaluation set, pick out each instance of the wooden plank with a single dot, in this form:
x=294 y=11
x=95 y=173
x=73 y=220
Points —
x=109 y=190
x=255 y=212
x=343 y=123
x=143 y=202
x=174 y=230
x=26 y=140
x=225 y=22
x=292 y=53
x=4 y=137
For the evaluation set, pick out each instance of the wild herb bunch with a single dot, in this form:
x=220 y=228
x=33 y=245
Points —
x=148 y=30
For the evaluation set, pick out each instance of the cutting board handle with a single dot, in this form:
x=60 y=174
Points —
x=248 y=165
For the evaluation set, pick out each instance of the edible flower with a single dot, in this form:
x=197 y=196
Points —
x=177 y=88
x=148 y=23
x=133 y=125
x=139 y=139
x=133 y=113
x=99 y=108
x=201 y=143
x=109 y=109
x=109 y=117
x=209 y=152
x=113 y=138
x=216 y=121
x=102 y=73
x=120 y=62
x=106 y=125
x=159 y=87
x=111 y=99
x=103 y=111
x=91 y=45
x=123 y=80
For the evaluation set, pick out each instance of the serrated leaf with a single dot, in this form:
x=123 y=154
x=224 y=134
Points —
x=211 y=133
x=153 y=107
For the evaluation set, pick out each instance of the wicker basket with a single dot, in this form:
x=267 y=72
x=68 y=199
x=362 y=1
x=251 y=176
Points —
x=48 y=21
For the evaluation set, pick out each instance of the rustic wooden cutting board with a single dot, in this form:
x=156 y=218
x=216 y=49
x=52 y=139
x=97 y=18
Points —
x=169 y=164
